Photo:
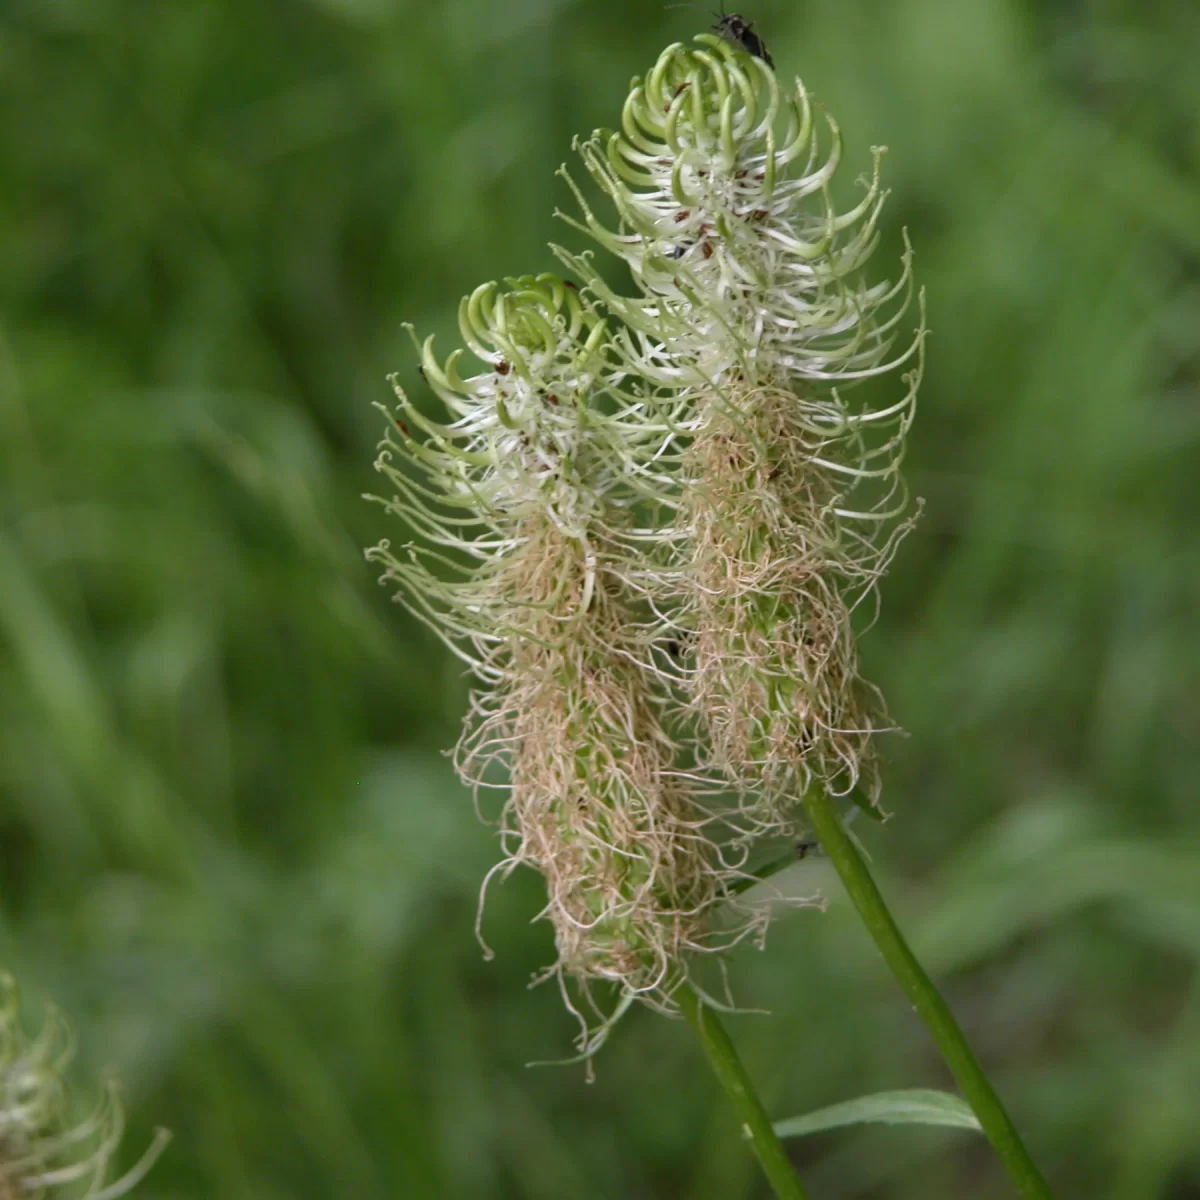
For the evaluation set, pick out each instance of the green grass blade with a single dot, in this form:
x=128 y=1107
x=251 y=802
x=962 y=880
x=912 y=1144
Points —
x=912 y=1106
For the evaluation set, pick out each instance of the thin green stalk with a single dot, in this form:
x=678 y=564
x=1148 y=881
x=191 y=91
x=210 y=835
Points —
x=926 y=999
x=740 y=1090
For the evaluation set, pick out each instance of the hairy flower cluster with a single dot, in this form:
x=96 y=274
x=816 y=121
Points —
x=40 y=1153
x=522 y=501
x=752 y=319
x=656 y=514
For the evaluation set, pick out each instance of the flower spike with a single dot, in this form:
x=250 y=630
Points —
x=521 y=505
x=751 y=318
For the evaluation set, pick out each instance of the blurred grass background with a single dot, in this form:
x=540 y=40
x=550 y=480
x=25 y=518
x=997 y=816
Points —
x=230 y=847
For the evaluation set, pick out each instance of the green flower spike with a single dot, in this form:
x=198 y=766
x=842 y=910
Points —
x=753 y=322
x=522 y=505
x=40 y=1154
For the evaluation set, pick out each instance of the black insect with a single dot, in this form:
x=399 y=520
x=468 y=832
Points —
x=739 y=32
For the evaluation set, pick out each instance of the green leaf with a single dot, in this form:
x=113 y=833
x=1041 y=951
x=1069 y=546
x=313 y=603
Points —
x=914 y=1106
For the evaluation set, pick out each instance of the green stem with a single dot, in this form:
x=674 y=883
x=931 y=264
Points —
x=740 y=1090
x=930 y=1006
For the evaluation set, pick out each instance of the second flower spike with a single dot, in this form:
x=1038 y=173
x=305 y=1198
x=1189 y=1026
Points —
x=752 y=317
x=521 y=506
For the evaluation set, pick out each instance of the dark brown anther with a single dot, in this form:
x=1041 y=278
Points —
x=552 y=397
x=707 y=249
x=759 y=214
x=502 y=368
x=573 y=286
x=739 y=174
x=400 y=425
x=683 y=214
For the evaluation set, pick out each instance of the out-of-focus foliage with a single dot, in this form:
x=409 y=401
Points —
x=229 y=845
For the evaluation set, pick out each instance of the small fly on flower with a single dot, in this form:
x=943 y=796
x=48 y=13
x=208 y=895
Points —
x=737 y=31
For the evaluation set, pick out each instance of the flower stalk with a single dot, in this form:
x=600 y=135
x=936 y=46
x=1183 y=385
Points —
x=727 y=1066
x=926 y=999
